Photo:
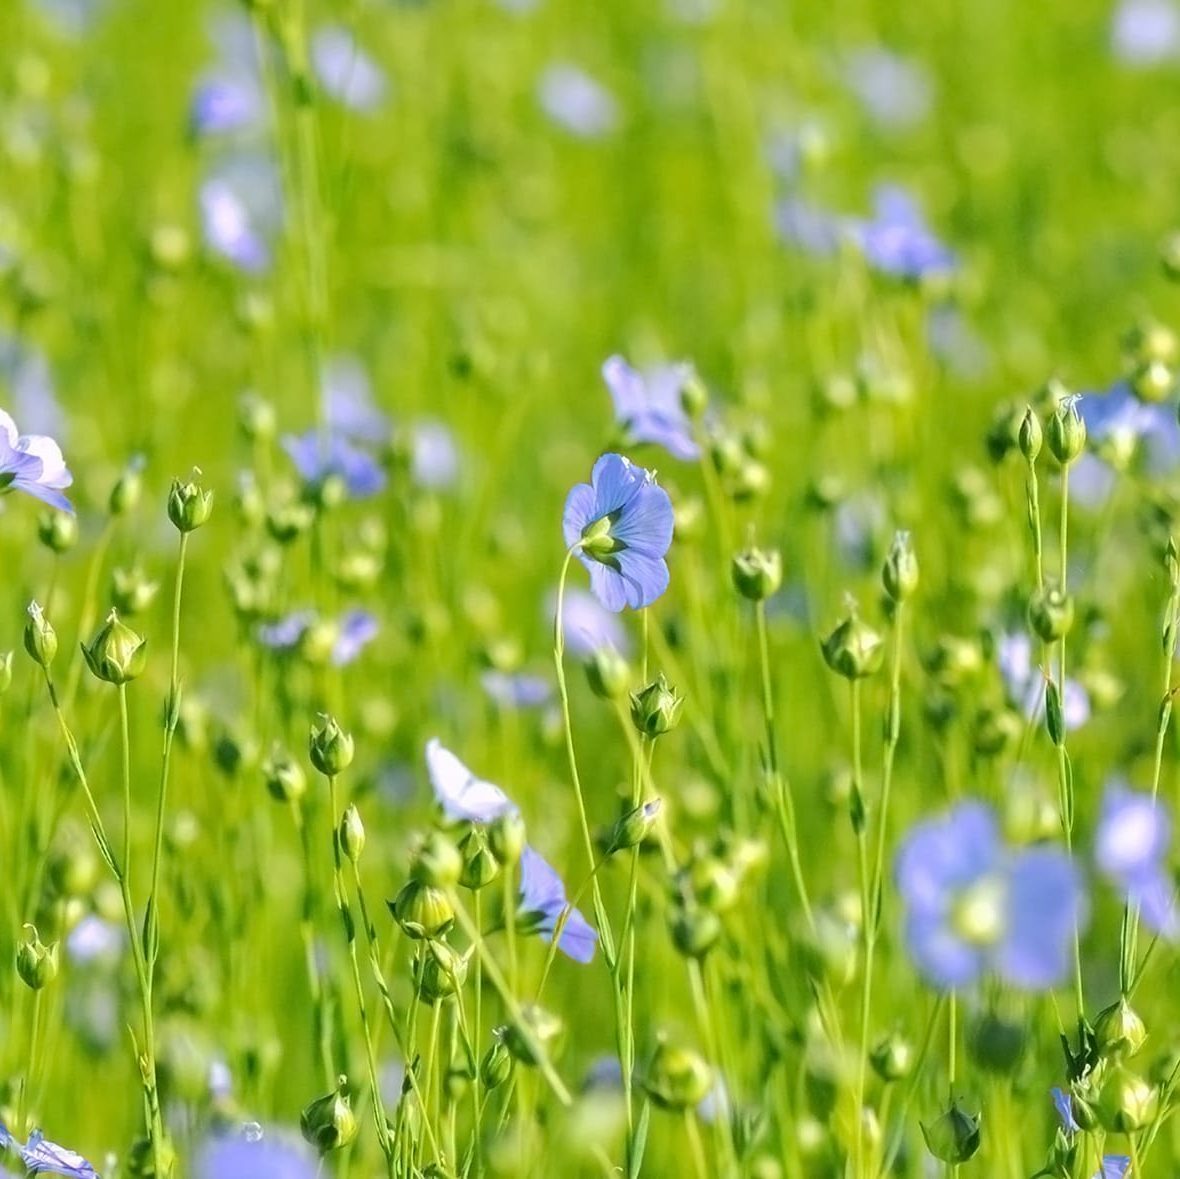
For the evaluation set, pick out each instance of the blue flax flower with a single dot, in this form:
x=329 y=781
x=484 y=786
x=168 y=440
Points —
x=1114 y=1166
x=33 y=463
x=1131 y=849
x=241 y=210
x=588 y=626
x=358 y=628
x=349 y=409
x=461 y=794
x=42 y=1157
x=648 y=404
x=319 y=456
x=1117 y=422
x=253 y=1156
x=345 y=71
x=893 y=91
x=897 y=241
x=620 y=524
x=542 y=903
x=1025 y=682
x=973 y=905
x=516 y=689
x=576 y=102
x=1146 y=32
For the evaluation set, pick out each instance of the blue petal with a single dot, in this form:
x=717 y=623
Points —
x=1063 y=1103
x=47 y=1158
x=1114 y=1166
x=609 y=586
x=542 y=895
x=1044 y=905
x=616 y=482
x=941 y=957
x=646 y=522
x=942 y=855
x=461 y=794
x=644 y=578
x=578 y=512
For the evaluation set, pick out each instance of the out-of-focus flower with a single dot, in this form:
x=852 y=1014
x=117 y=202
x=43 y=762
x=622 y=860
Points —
x=434 y=458
x=649 y=405
x=33 y=463
x=576 y=102
x=811 y=228
x=241 y=208
x=461 y=794
x=319 y=456
x=896 y=241
x=974 y=906
x=1117 y=422
x=1026 y=684
x=588 y=625
x=93 y=941
x=349 y=409
x=345 y=71
x=1114 y=1166
x=516 y=689
x=894 y=92
x=355 y=630
x=253 y=1155
x=542 y=904
x=358 y=628
x=1146 y=32
x=25 y=372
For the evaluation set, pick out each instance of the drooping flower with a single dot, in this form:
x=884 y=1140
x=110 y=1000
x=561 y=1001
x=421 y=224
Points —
x=1025 y=682
x=516 y=689
x=42 y=1157
x=649 y=405
x=1131 y=849
x=975 y=906
x=620 y=525
x=461 y=794
x=253 y=1155
x=576 y=102
x=33 y=463
x=542 y=904
x=588 y=625
x=318 y=456
x=1114 y=1166
x=897 y=242
x=345 y=71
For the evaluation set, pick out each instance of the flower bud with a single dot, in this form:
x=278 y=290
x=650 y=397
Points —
x=496 y=1066
x=656 y=708
x=5 y=671
x=189 y=504
x=1118 y=1030
x=607 y=673
x=72 y=865
x=1126 y=1102
x=256 y=417
x=284 y=776
x=423 y=911
x=1153 y=381
x=899 y=575
x=635 y=826
x=58 y=531
x=132 y=592
x=437 y=861
x=351 y=833
x=954 y=1137
x=677 y=1078
x=1066 y=432
x=328 y=1123
x=289 y=520
x=480 y=865
x=116 y=654
x=1030 y=436
x=713 y=882
x=1050 y=613
x=757 y=573
x=695 y=931
x=439 y=972
x=330 y=747
x=853 y=650
x=36 y=963
x=40 y=637
x=128 y=488
x=996 y=730
x=1170 y=256
x=506 y=836
x=996 y=1044
x=892 y=1058
x=694 y=397
x=538 y=1029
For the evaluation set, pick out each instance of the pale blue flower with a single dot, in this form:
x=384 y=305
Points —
x=897 y=241
x=349 y=408
x=33 y=463
x=461 y=794
x=516 y=689
x=577 y=103
x=1146 y=32
x=588 y=625
x=434 y=457
x=345 y=71
x=241 y=208
x=286 y=633
x=893 y=91
x=1114 y=1166
x=41 y=1157
x=226 y=102
x=620 y=525
x=254 y=1156
x=811 y=228
x=355 y=630
x=358 y=628
x=318 y=456
x=649 y=406
x=94 y=940
x=1121 y=420
x=25 y=371
x=1026 y=684
x=542 y=904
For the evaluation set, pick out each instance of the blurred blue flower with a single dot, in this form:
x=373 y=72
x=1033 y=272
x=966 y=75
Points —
x=1131 y=849
x=1114 y=1166
x=349 y=409
x=542 y=903
x=516 y=689
x=605 y=1072
x=94 y=940
x=1146 y=32
x=952 y=340
x=285 y=633
x=588 y=625
x=1063 y=1103
x=241 y=209
x=355 y=630
x=358 y=628
x=461 y=794
x=1025 y=682
x=1121 y=421
x=318 y=456
x=41 y=1157
x=345 y=71
x=621 y=526
x=24 y=370
x=893 y=91
x=811 y=228
x=254 y=1156
x=434 y=458
x=975 y=906
x=897 y=241
x=648 y=405
x=576 y=102
x=33 y=463
x=226 y=102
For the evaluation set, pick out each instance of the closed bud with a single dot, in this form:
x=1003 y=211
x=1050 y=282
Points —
x=256 y=417
x=328 y=1123
x=656 y=708
x=892 y=1058
x=506 y=836
x=5 y=672
x=996 y=1044
x=853 y=650
x=116 y=654
x=437 y=861
x=954 y=1137
x=695 y=931
x=1030 y=436
x=608 y=673
x=1050 y=613
x=1170 y=256
x=1119 y=1031
x=423 y=911
x=694 y=397
x=677 y=1078
x=996 y=730
x=635 y=826
x=128 y=488
x=36 y=963
x=1054 y=713
x=439 y=972
x=132 y=591
x=713 y=882
x=58 y=531
x=351 y=833
x=480 y=866
x=757 y=573
x=1066 y=432
x=1126 y=1102
x=284 y=776
x=899 y=575
x=496 y=1066
x=329 y=746
x=189 y=504
x=289 y=520
x=40 y=637
x=1153 y=381
x=539 y=1030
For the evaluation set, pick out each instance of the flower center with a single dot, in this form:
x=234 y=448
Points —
x=978 y=913
x=597 y=541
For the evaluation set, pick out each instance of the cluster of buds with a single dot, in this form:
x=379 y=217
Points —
x=707 y=888
x=739 y=458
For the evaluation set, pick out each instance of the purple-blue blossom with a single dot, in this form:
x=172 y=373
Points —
x=974 y=906
x=576 y=102
x=42 y=1157
x=620 y=527
x=588 y=625
x=349 y=408
x=241 y=210
x=648 y=405
x=460 y=793
x=1146 y=32
x=516 y=689
x=1114 y=1166
x=1118 y=422
x=33 y=463
x=892 y=90
x=345 y=71
x=254 y=1156
x=320 y=456
x=1025 y=682
x=434 y=457
x=355 y=630
x=896 y=241
x=542 y=904
x=810 y=227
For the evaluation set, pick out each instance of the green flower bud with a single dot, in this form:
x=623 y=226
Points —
x=656 y=708
x=5 y=671
x=73 y=865
x=1050 y=613
x=539 y=1029
x=351 y=833
x=996 y=1044
x=189 y=504
x=853 y=650
x=169 y=246
x=899 y=574
x=330 y=747
x=1153 y=381
x=128 y=488
x=1149 y=340
x=996 y=730
x=496 y=1066
x=40 y=637
x=141 y=1159
x=480 y=865
x=132 y=592
x=284 y=776
x=954 y=1137
x=1066 y=432
x=437 y=861
x=439 y=972
x=116 y=654
x=1170 y=256
x=677 y=1078
x=318 y=641
x=256 y=417
x=607 y=673
x=1031 y=435
x=58 y=531
x=695 y=931
x=757 y=573
x=635 y=826
x=1118 y=1030
x=288 y=521
x=357 y=570
x=694 y=397
x=328 y=1123
x=713 y=882
x=36 y=963
x=751 y=482
x=892 y=1058
x=423 y=911
x=1126 y=1102
x=506 y=836
x=831 y=949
